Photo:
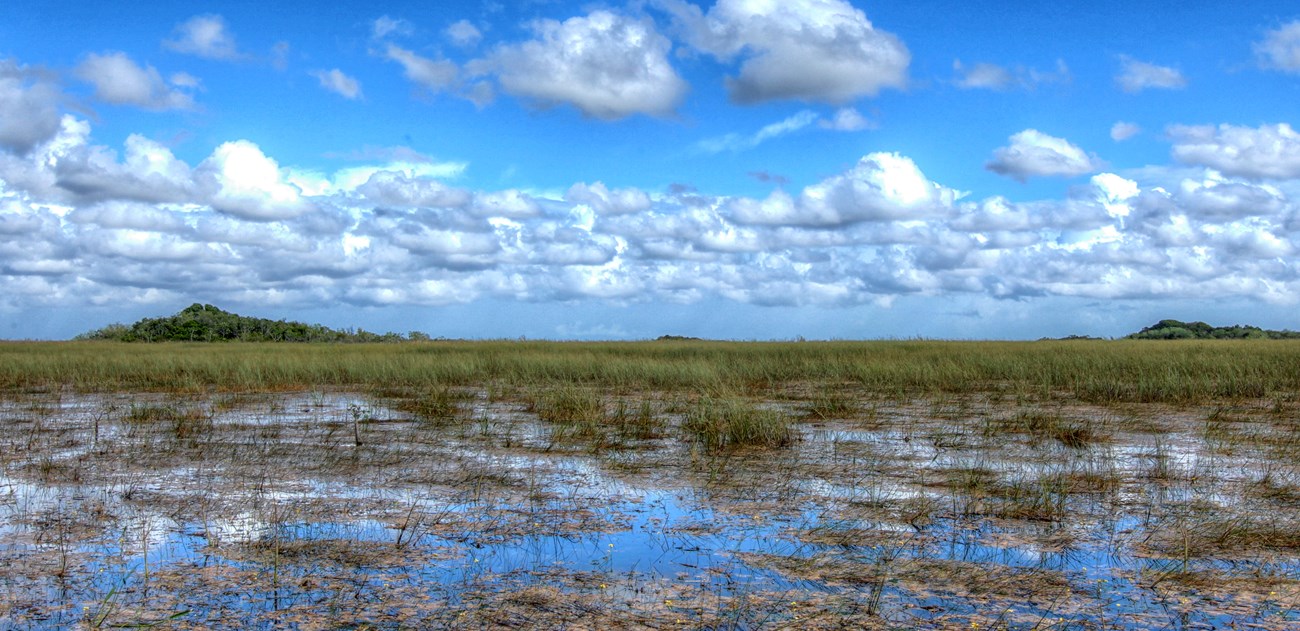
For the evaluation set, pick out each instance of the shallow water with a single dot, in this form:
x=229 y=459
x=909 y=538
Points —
x=127 y=524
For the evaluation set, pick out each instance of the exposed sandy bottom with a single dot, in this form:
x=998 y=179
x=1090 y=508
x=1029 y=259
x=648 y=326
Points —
x=262 y=511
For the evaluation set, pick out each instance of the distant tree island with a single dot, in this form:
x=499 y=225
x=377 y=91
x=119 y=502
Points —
x=206 y=323
x=1177 y=330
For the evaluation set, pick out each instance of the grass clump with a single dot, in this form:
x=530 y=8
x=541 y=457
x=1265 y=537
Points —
x=832 y=406
x=637 y=422
x=182 y=423
x=435 y=404
x=577 y=412
x=720 y=424
x=1045 y=426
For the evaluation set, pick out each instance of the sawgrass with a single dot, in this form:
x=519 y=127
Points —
x=1099 y=372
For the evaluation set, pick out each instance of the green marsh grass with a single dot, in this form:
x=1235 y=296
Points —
x=1097 y=372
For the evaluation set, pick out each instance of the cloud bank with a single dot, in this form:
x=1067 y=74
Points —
x=86 y=224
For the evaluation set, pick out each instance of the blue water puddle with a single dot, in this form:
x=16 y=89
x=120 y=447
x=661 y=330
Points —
x=662 y=536
x=656 y=537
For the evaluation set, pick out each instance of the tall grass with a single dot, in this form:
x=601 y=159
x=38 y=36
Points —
x=1103 y=371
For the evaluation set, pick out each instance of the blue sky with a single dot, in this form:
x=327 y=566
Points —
x=745 y=169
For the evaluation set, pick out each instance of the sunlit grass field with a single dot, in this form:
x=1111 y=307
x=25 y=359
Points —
x=1093 y=371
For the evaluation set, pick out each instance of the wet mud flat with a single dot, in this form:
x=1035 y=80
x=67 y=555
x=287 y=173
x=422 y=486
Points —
x=575 y=508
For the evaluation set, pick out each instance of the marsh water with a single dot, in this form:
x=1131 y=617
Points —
x=311 y=510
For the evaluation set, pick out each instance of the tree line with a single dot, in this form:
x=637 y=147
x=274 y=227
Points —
x=1178 y=330
x=206 y=323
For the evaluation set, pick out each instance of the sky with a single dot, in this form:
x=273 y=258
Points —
x=738 y=169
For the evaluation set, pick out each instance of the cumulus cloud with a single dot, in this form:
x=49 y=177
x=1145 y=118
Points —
x=463 y=34
x=1280 y=48
x=148 y=173
x=339 y=83
x=882 y=186
x=507 y=204
x=249 y=185
x=399 y=189
x=1135 y=76
x=204 y=36
x=120 y=81
x=1218 y=198
x=1122 y=130
x=607 y=65
x=811 y=50
x=82 y=222
x=29 y=108
x=1268 y=151
x=623 y=201
x=1033 y=153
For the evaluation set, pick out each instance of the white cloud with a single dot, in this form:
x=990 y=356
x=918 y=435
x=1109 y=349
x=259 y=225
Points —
x=989 y=76
x=383 y=26
x=1115 y=193
x=1280 y=48
x=249 y=185
x=1216 y=198
x=335 y=81
x=607 y=65
x=204 y=36
x=1033 y=153
x=1269 y=151
x=737 y=142
x=983 y=75
x=238 y=226
x=811 y=50
x=149 y=173
x=120 y=81
x=463 y=34
x=881 y=187
x=402 y=161
x=1121 y=131
x=395 y=188
x=1135 y=76
x=29 y=108
x=185 y=80
x=846 y=119
x=623 y=201
x=435 y=74
x=510 y=204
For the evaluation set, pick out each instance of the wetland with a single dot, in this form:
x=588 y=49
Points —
x=1080 y=485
